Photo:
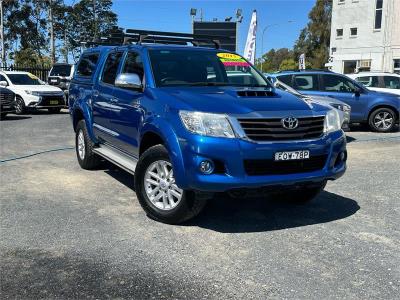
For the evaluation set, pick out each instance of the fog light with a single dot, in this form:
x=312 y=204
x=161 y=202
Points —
x=206 y=167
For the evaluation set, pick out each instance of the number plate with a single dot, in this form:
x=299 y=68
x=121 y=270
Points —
x=53 y=80
x=53 y=102
x=292 y=155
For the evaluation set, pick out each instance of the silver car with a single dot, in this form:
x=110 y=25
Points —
x=343 y=108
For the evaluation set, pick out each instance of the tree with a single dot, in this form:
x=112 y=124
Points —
x=29 y=57
x=314 y=39
x=288 y=64
x=272 y=60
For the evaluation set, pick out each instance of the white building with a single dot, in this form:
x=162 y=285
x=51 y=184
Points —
x=365 y=36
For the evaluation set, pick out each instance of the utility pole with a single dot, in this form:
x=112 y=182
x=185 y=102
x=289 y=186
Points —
x=3 y=49
x=52 y=40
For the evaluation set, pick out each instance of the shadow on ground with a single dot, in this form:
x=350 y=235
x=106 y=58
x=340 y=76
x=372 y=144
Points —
x=230 y=215
x=14 y=118
x=39 y=274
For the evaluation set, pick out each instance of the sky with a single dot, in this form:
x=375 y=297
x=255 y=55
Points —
x=168 y=15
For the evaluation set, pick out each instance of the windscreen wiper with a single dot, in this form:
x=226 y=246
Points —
x=210 y=83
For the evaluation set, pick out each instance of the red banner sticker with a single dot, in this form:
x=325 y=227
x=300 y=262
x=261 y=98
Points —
x=230 y=59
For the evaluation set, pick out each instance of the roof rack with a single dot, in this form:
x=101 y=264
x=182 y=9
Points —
x=118 y=37
x=306 y=70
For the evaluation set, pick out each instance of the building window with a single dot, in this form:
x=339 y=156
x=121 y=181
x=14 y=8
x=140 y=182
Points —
x=378 y=14
x=353 y=31
x=339 y=33
x=396 y=66
x=341 y=1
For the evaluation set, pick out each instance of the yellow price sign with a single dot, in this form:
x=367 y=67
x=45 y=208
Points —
x=32 y=76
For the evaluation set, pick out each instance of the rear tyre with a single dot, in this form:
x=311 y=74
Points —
x=54 y=110
x=20 y=108
x=87 y=159
x=382 y=120
x=3 y=116
x=303 y=195
x=157 y=192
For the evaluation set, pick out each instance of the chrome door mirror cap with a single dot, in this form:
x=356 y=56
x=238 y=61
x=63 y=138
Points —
x=129 y=81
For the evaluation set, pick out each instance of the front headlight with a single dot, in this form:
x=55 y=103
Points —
x=216 y=125
x=342 y=107
x=33 y=93
x=332 y=121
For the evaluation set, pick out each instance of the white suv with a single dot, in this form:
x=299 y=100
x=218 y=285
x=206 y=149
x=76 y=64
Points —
x=31 y=92
x=381 y=82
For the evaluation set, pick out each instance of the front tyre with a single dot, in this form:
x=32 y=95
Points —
x=87 y=159
x=303 y=195
x=382 y=120
x=20 y=108
x=158 y=193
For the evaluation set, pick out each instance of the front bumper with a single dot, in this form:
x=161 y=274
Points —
x=233 y=152
x=46 y=101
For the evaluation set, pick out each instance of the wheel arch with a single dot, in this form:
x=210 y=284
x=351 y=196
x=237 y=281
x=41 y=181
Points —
x=396 y=111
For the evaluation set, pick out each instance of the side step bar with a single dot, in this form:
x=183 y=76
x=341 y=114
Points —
x=117 y=157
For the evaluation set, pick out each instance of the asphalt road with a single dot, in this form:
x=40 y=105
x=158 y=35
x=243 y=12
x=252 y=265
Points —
x=69 y=233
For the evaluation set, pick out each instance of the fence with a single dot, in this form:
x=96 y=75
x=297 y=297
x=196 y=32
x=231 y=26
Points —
x=40 y=71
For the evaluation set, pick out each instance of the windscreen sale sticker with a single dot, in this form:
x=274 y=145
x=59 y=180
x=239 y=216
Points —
x=230 y=59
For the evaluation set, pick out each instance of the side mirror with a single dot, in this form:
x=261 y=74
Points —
x=357 y=92
x=3 y=83
x=129 y=81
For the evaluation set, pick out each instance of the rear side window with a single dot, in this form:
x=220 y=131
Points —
x=369 y=81
x=111 y=67
x=87 y=65
x=286 y=79
x=305 y=82
x=391 y=82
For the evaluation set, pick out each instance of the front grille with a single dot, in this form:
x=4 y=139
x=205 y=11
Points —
x=254 y=167
x=272 y=129
x=6 y=98
x=46 y=100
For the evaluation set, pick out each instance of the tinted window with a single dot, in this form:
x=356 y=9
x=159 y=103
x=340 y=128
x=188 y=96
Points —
x=2 y=78
x=391 y=82
x=286 y=79
x=306 y=82
x=369 y=81
x=61 y=70
x=133 y=64
x=111 y=67
x=24 y=79
x=334 y=83
x=200 y=67
x=87 y=65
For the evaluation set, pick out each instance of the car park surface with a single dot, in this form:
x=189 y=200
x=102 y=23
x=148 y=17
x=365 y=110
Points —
x=70 y=233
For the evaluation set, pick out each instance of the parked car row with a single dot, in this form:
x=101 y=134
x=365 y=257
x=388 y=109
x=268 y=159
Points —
x=380 y=110
x=30 y=92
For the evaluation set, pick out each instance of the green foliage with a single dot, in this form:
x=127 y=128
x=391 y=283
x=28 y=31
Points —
x=288 y=64
x=27 y=25
x=29 y=57
x=314 y=39
x=272 y=60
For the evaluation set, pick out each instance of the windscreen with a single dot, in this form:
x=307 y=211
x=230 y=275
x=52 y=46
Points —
x=24 y=79
x=61 y=70
x=203 y=68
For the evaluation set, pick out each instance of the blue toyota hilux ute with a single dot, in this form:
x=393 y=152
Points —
x=173 y=116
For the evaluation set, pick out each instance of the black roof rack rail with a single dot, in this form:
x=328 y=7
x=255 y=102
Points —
x=306 y=70
x=118 y=37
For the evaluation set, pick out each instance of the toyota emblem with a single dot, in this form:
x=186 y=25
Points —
x=290 y=123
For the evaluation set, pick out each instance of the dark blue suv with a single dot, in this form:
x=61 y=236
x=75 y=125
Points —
x=179 y=119
x=377 y=109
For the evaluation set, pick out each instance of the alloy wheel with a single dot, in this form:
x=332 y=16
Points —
x=81 y=145
x=160 y=186
x=383 y=120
